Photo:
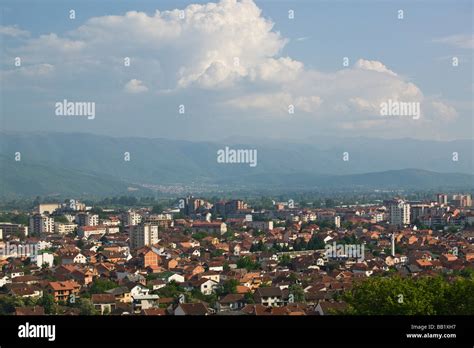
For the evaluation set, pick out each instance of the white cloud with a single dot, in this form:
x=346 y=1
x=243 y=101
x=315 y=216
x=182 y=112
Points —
x=135 y=86
x=230 y=49
x=373 y=65
x=460 y=40
x=13 y=31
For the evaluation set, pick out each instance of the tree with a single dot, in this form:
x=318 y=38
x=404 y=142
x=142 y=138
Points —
x=8 y=304
x=421 y=296
x=298 y=293
x=228 y=287
x=61 y=218
x=157 y=209
x=47 y=301
x=199 y=235
x=99 y=286
x=284 y=260
x=247 y=263
x=172 y=289
x=86 y=307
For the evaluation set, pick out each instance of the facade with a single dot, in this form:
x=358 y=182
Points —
x=63 y=228
x=41 y=224
x=87 y=231
x=209 y=227
x=462 y=201
x=442 y=198
x=14 y=229
x=86 y=219
x=399 y=212
x=131 y=218
x=143 y=235
x=63 y=291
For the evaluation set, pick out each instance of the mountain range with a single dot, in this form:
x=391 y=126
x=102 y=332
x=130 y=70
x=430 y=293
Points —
x=88 y=164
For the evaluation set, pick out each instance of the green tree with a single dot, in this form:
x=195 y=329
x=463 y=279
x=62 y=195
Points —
x=86 y=307
x=247 y=263
x=298 y=293
x=47 y=301
x=407 y=296
x=157 y=209
x=228 y=287
x=99 y=286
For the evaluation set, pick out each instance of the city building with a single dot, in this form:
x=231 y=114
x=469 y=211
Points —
x=41 y=224
x=143 y=235
x=399 y=211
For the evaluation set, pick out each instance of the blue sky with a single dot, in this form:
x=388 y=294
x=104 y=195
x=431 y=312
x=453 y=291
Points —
x=406 y=60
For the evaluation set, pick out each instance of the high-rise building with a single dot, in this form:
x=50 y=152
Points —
x=462 y=201
x=131 y=218
x=442 y=198
x=399 y=212
x=142 y=235
x=86 y=219
x=41 y=224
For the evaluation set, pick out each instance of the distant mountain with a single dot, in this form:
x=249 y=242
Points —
x=31 y=179
x=393 y=179
x=85 y=163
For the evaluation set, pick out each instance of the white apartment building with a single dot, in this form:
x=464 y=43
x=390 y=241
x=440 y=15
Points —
x=142 y=235
x=41 y=224
x=87 y=231
x=131 y=218
x=399 y=212
x=64 y=228
x=86 y=219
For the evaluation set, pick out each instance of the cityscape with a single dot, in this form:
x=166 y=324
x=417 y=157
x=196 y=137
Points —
x=225 y=257
x=188 y=171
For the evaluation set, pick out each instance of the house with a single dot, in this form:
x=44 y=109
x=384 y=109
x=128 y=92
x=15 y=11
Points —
x=205 y=286
x=121 y=294
x=104 y=303
x=25 y=291
x=209 y=227
x=157 y=284
x=73 y=257
x=178 y=278
x=154 y=311
x=144 y=301
x=212 y=275
x=63 y=291
x=271 y=296
x=231 y=302
x=148 y=258
x=30 y=310
x=198 y=308
x=137 y=289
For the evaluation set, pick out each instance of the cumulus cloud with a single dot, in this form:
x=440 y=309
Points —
x=373 y=65
x=228 y=49
x=135 y=86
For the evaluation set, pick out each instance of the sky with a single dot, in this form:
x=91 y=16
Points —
x=209 y=71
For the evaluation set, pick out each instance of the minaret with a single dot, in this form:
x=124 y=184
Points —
x=393 y=244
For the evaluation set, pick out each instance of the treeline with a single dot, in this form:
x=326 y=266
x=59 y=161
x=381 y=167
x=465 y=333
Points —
x=439 y=295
